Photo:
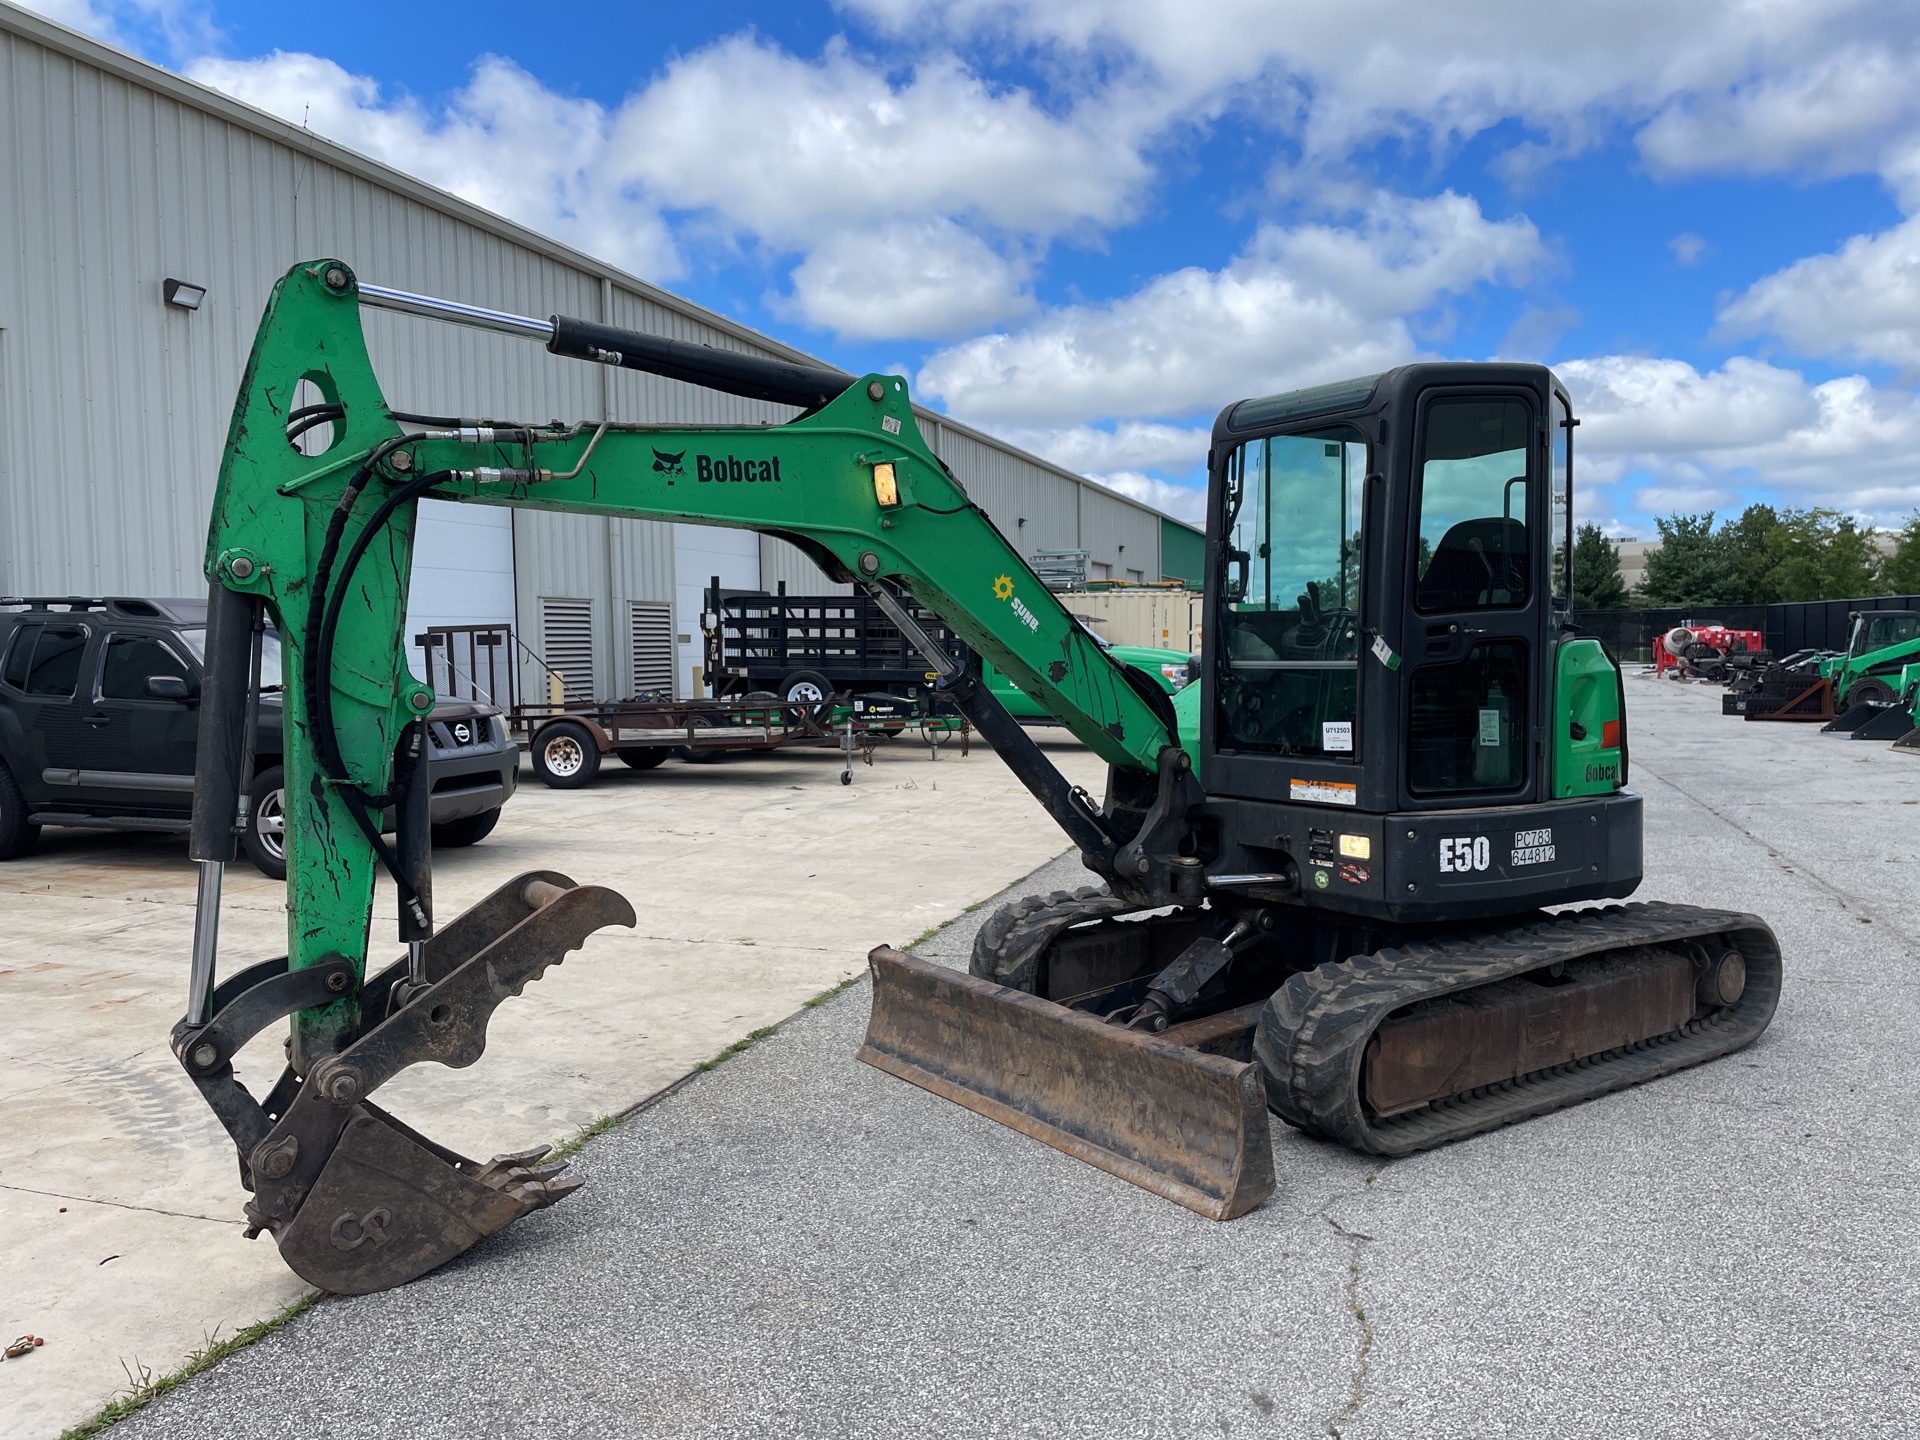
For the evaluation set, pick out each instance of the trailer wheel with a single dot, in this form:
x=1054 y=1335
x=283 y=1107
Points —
x=808 y=689
x=564 y=755
x=647 y=759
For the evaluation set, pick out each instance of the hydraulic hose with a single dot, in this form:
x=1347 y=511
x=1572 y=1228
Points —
x=323 y=618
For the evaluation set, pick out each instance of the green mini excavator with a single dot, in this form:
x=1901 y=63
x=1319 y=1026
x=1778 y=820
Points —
x=1323 y=866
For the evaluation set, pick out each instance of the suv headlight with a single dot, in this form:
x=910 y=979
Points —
x=1176 y=674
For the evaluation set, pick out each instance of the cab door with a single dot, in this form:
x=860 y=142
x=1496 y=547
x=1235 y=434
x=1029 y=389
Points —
x=1475 y=694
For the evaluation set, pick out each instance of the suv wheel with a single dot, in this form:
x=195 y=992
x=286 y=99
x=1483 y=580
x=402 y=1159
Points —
x=470 y=830
x=565 y=755
x=266 y=833
x=17 y=834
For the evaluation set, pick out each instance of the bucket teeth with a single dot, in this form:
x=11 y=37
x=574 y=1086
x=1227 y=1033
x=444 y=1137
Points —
x=357 y=1200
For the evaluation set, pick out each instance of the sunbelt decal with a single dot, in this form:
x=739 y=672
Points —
x=1003 y=590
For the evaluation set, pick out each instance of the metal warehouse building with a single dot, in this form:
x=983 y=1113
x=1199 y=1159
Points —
x=117 y=177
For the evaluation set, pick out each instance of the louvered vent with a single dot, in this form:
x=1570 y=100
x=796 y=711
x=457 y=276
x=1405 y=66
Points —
x=566 y=635
x=652 y=648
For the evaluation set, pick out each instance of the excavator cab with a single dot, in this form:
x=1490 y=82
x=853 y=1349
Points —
x=1406 y=752
x=1389 y=653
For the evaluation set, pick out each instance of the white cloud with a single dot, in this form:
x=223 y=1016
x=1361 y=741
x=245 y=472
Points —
x=1300 y=305
x=796 y=149
x=1726 y=84
x=505 y=142
x=1183 y=502
x=1127 y=446
x=1689 y=249
x=1861 y=301
x=901 y=279
x=1847 y=111
x=915 y=206
x=1841 y=443
x=179 y=29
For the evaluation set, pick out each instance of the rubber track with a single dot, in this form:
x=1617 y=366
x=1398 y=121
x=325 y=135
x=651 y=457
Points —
x=1313 y=1032
x=1008 y=947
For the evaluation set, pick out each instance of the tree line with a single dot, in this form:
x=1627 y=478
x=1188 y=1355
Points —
x=1764 y=556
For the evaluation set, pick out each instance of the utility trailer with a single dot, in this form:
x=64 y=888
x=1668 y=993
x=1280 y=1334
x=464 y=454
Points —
x=569 y=742
x=806 y=649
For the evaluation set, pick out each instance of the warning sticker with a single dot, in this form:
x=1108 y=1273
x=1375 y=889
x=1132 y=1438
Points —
x=1324 y=792
x=1490 y=727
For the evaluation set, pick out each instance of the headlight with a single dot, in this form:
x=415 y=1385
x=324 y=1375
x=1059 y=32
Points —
x=1176 y=675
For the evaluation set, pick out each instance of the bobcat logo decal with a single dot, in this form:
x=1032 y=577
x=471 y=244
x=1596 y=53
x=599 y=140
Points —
x=667 y=464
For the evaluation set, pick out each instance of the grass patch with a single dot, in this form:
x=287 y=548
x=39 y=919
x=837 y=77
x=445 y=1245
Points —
x=566 y=1149
x=738 y=1047
x=147 y=1387
x=825 y=995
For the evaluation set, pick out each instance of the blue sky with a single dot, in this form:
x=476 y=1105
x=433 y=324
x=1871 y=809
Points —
x=1088 y=224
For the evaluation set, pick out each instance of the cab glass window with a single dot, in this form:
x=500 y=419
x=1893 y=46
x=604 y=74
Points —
x=1290 y=593
x=1561 y=492
x=1473 y=506
x=1469 y=721
x=131 y=659
x=1876 y=632
x=45 y=660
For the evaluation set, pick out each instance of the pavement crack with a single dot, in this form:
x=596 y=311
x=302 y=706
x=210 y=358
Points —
x=122 y=1205
x=1363 y=1353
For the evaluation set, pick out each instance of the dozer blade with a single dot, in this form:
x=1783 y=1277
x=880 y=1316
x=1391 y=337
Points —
x=1185 y=1124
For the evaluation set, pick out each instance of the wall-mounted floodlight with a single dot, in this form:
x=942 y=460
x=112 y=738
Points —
x=182 y=295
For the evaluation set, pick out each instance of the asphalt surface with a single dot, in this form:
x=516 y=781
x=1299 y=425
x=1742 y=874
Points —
x=797 y=1245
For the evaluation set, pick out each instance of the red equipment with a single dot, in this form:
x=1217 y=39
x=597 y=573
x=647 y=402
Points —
x=1683 y=643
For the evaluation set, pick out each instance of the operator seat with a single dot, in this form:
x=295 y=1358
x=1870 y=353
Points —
x=1476 y=564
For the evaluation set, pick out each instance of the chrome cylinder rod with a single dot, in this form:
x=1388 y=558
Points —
x=206 y=942
x=476 y=317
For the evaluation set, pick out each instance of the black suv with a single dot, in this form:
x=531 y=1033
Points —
x=99 y=714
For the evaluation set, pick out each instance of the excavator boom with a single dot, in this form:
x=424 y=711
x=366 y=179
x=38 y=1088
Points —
x=315 y=539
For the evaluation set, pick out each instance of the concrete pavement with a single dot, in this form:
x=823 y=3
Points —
x=795 y=1244
x=759 y=883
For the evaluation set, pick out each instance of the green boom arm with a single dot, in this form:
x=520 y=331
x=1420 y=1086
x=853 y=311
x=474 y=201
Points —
x=818 y=481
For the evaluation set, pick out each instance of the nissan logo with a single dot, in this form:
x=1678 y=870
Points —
x=462 y=733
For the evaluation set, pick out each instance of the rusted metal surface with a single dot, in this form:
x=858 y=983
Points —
x=1230 y=1033
x=1515 y=1027
x=356 y=1200
x=388 y=1208
x=1188 y=1125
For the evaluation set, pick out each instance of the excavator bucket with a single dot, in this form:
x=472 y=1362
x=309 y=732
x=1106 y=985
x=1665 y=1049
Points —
x=356 y=1200
x=1170 y=1117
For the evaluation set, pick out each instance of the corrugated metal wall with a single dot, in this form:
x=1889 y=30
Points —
x=113 y=406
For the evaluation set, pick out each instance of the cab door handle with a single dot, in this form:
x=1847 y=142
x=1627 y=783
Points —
x=97 y=719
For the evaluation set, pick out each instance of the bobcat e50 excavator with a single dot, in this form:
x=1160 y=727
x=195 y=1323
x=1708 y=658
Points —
x=1324 y=862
